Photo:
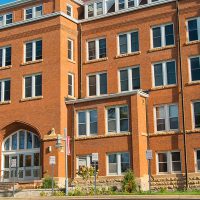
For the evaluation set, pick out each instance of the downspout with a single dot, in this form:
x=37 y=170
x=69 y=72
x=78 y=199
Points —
x=73 y=145
x=182 y=94
x=80 y=61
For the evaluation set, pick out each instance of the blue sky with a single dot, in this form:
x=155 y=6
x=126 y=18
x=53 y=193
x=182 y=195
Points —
x=6 y=1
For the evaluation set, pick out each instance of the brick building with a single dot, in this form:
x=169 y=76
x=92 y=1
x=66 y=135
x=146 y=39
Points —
x=122 y=75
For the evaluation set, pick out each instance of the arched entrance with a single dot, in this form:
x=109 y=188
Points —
x=24 y=147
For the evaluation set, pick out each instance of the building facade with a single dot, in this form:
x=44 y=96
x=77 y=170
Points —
x=121 y=75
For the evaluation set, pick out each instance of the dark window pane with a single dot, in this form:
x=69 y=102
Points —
x=91 y=10
x=198 y=155
x=156 y=37
x=82 y=123
x=1 y=57
x=136 y=78
x=102 y=48
x=123 y=46
x=197 y=114
x=92 y=50
x=38 y=50
x=9 y=18
x=29 y=140
x=36 y=142
x=193 y=30
x=195 y=69
x=99 y=8
x=124 y=80
x=125 y=163
x=8 y=56
x=14 y=141
x=169 y=35
x=121 y=4
x=131 y=3
x=36 y=159
x=28 y=87
x=29 y=13
x=92 y=85
x=93 y=122
x=173 y=116
x=171 y=72
x=160 y=115
x=112 y=159
x=123 y=119
x=38 y=85
x=103 y=83
x=38 y=11
x=29 y=51
x=134 y=42
x=158 y=74
x=70 y=85
x=7 y=91
x=7 y=144
x=162 y=167
x=21 y=140
x=111 y=120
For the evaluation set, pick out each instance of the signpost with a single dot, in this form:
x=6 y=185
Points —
x=52 y=162
x=95 y=158
x=14 y=166
x=149 y=157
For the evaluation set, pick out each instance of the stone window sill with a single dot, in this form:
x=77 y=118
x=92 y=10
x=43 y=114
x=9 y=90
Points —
x=96 y=60
x=5 y=102
x=32 y=98
x=128 y=54
x=6 y=67
x=192 y=42
x=163 y=87
x=72 y=61
x=193 y=83
x=32 y=62
x=161 y=48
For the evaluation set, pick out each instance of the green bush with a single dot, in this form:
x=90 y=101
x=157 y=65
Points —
x=58 y=193
x=43 y=194
x=47 y=183
x=129 y=183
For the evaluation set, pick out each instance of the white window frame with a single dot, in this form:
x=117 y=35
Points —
x=33 y=49
x=71 y=7
x=130 y=84
x=96 y=48
x=87 y=113
x=167 y=119
x=118 y=163
x=169 y=162
x=163 y=42
x=33 y=11
x=72 y=75
x=198 y=28
x=4 y=18
x=4 y=55
x=193 y=114
x=95 y=8
x=190 y=67
x=33 y=86
x=3 y=90
x=196 y=161
x=117 y=112
x=128 y=42
x=71 y=50
x=97 y=84
x=164 y=69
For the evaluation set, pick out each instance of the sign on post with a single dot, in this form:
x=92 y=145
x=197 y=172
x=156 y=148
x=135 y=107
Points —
x=149 y=155
x=95 y=157
x=52 y=160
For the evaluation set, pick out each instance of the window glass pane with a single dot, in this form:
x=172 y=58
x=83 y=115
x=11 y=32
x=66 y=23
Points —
x=1 y=57
x=198 y=155
x=36 y=142
x=198 y=160
x=124 y=80
x=29 y=13
x=193 y=30
x=162 y=162
x=173 y=116
x=36 y=159
x=69 y=10
x=92 y=50
x=123 y=44
x=111 y=120
x=29 y=51
x=28 y=160
x=112 y=162
x=7 y=90
x=21 y=160
x=157 y=37
x=197 y=114
x=14 y=141
x=124 y=118
x=82 y=161
x=1 y=20
x=70 y=85
x=158 y=74
x=169 y=34
x=7 y=144
x=125 y=163
x=195 y=69
x=8 y=56
x=134 y=42
x=171 y=72
x=102 y=48
x=29 y=140
x=92 y=85
x=93 y=121
x=176 y=162
x=121 y=4
x=82 y=123
x=28 y=87
x=99 y=8
x=70 y=49
x=38 y=85
x=103 y=83
x=136 y=78
x=6 y=161
x=9 y=18
x=160 y=115
x=21 y=140
x=91 y=10
x=38 y=50
x=131 y=3
x=38 y=11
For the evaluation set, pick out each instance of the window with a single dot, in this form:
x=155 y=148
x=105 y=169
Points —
x=164 y=73
x=86 y=161
x=198 y=160
x=129 y=79
x=163 y=35
x=118 y=163
x=5 y=56
x=131 y=3
x=167 y=117
x=71 y=85
x=70 y=49
x=87 y=123
x=69 y=10
x=33 y=86
x=96 y=49
x=33 y=50
x=4 y=90
x=117 y=119
x=195 y=68
x=121 y=4
x=6 y=19
x=97 y=84
x=169 y=162
x=99 y=8
x=196 y=110
x=33 y=12
x=90 y=10
x=194 y=29
x=128 y=42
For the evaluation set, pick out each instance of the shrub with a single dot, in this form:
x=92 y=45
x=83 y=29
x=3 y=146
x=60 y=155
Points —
x=43 y=194
x=47 y=183
x=129 y=183
x=58 y=193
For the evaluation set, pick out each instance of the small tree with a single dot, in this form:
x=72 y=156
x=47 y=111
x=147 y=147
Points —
x=129 y=183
